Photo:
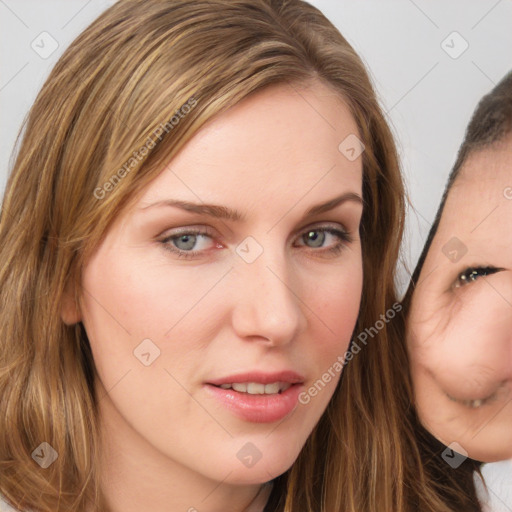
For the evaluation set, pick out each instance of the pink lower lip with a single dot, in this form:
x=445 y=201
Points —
x=258 y=408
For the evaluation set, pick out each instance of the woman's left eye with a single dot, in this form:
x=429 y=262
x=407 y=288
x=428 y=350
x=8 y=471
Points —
x=471 y=274
x=316 y=238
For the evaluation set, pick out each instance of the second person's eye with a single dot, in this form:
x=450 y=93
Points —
x=471 y=274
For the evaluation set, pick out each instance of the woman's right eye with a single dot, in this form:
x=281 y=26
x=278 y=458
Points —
x=471 y=274
x=189 y=242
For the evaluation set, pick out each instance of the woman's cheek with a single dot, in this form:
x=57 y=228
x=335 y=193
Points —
x=340 y=308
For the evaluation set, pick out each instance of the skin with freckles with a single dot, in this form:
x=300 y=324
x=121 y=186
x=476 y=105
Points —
x=175 y=276
x=460 y=322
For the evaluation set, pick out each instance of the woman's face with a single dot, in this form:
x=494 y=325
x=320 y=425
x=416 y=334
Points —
x=460 y=323
x=229 y=288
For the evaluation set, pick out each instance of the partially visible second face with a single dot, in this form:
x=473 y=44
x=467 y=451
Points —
x=460 y=322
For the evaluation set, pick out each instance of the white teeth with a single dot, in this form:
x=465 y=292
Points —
x=271 y=389
x=239 y=386
x=257 y=388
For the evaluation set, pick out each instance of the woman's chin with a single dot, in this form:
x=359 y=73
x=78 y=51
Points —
x=250 y=466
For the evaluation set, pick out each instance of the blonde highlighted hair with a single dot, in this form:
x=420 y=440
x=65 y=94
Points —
x=81 y=161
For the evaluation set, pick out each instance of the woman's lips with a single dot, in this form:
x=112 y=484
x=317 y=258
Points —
x=257 y=396
x=261 y=377
x=258 y=408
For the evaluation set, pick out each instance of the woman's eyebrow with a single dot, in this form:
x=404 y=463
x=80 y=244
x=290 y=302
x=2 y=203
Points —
x=212 y=210
x=223 y=212
x=332 y=203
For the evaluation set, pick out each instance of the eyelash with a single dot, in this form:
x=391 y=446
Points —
x=465 y=277
x=344 y=236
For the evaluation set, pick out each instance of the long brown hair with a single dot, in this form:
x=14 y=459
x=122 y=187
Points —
x=130 y=73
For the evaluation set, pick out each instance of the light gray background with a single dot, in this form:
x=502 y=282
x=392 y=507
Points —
x=428 y=94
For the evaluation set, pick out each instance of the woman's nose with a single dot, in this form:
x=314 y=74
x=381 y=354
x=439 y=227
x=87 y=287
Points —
x=267 y=299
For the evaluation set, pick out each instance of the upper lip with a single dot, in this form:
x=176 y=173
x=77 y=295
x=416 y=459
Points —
x=260 y=377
